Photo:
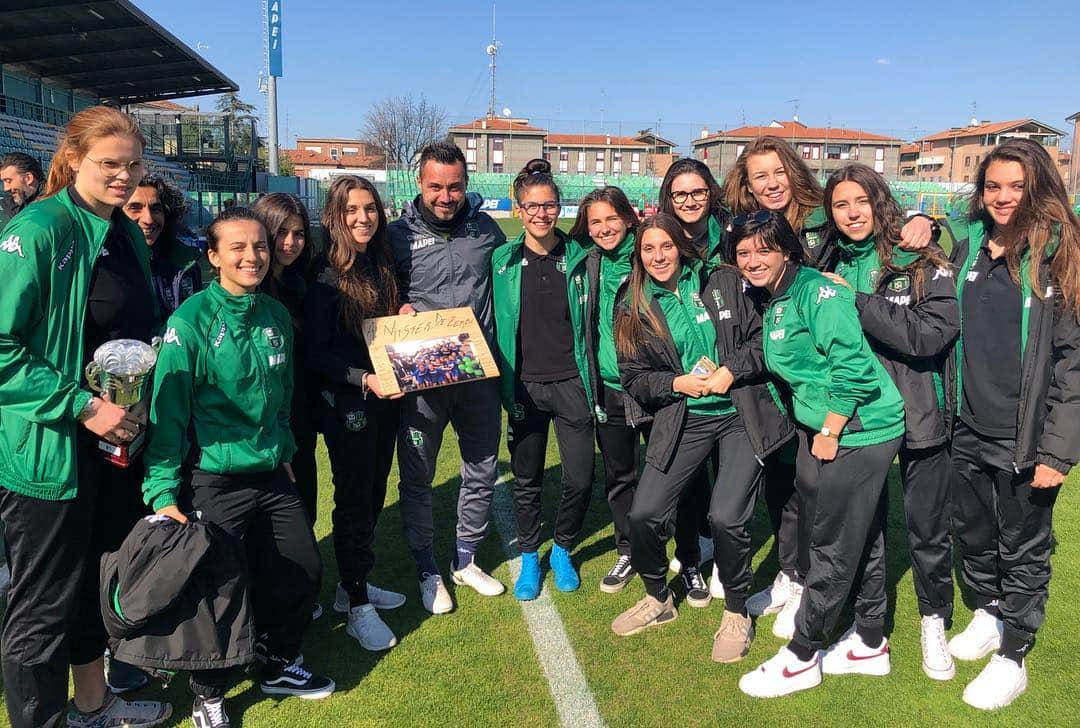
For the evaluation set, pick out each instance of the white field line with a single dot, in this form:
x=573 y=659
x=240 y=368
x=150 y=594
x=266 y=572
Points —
x=573 y=700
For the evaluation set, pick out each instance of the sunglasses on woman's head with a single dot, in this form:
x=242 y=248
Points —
x=758 y=217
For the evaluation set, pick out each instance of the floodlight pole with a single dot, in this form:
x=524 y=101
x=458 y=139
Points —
x=272 y=123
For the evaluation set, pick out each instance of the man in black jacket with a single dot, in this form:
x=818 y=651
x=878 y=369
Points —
x=23 y=179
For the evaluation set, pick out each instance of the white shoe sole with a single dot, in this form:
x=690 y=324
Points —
x=782 y=631
x=1001 y=701
x=614 y=589
x=754 y=690
x=699 y=603
x=938 y=673
x=313 y=695
x=494 y=589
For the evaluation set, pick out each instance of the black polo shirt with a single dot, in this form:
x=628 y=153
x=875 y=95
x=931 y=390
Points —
x=991 y=311
x=545 y=334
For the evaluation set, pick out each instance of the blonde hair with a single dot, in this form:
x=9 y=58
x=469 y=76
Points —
x=82 y=131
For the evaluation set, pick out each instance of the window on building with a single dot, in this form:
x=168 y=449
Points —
x=497 y=144
x=581 y=162
x=879 y=154
x=470 y=156
x=470 y=143
x=564 y=160
x=497 y=167
x=967 y=162
x=471 y=167
x=350 y=150
x=635 y=163
x=806 y=151
x=739 y=150
x=815 y=152
x=334 y=153
x=600 y=162
x=616 y=162
x=832 y=151
x=967 y=178
x=854 y=152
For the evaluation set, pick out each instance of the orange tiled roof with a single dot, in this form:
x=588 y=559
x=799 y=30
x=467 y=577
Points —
x=594 y=140
x=798 y=130
x=909 y=148
x=352 y=161
x=993 y=127
x=496 y=124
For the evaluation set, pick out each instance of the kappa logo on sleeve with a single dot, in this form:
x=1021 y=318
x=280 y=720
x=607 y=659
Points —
x=170 y=337
x=942 y=272
x=824 y=293
x=12 y=245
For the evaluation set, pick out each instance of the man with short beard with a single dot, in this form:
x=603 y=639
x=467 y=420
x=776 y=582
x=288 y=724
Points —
x=442 y=246
x=22 y=178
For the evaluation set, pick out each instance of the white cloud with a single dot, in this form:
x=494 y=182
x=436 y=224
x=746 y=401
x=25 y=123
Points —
x=883 y=61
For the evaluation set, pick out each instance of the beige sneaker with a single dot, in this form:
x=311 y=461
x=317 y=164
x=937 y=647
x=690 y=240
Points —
x=732 y=641
x=649 y=612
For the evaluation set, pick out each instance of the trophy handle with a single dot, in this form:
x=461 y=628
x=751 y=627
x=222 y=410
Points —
x=92 y=371
x=155 y=344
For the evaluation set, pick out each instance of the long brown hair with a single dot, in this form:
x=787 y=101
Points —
x=888 y=221
x=633 y=324
x=1043 y=210
x=274 y=210
x=611 y=195
x=83 y=130
x=805 y=191
x=361 y=295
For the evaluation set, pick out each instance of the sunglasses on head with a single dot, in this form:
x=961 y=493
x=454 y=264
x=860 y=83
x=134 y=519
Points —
x=759 y=217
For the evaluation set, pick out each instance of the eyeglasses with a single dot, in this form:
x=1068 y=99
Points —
x=111 y=167
x=759 y=217
x=531 y=208
x=698 y=195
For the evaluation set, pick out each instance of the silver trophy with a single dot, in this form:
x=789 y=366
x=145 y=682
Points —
x=121 y=369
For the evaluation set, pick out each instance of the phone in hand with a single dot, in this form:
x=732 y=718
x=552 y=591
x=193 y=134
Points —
x=704 y=367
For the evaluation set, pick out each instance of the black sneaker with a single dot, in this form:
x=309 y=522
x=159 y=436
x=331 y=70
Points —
x=209 y=713
x=619 y=576
x=289 y=678
x=697 y=591
x=124 y=678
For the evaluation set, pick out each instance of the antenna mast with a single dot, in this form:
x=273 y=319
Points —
x=492 y=50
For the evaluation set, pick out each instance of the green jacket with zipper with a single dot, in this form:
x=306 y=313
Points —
x=225 y=367
x=506 y=294
x=814 y=342
x=47 y=257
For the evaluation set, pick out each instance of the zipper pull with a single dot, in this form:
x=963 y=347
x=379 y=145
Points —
x=1015 y=468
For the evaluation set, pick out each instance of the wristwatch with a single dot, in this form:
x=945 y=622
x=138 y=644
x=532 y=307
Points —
x=826 y=432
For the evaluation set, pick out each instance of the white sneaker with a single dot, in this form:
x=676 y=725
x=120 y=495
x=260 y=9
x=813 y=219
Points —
x=784 y=626
x=716 y=587
x=981 y=637
x=378 y=598
x=370 y=631
x=434 y=595
x=851 y=655
x=472 y=575
x=772 y=599
x=781 y=675
x=999 y=683
x=937 y=663
x=705 y=547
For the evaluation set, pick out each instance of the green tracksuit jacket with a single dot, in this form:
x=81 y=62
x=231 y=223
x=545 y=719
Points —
x=226 y=367
x=813 y=341
x=506 y=294
x=47 y=256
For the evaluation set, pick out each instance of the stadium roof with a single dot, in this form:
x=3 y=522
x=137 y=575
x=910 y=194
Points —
x=795 y=130
x=108 y=49
x=987 y=127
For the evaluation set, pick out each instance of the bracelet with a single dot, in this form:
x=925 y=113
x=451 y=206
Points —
x=363 y=382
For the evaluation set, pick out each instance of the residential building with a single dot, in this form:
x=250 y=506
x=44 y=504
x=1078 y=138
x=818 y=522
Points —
x=326 y=157
x=823 y=148
x=595 y=154
x=498 y=145
x=953 y=155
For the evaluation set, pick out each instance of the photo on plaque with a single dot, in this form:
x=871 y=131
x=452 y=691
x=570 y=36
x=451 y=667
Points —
x=431 y=349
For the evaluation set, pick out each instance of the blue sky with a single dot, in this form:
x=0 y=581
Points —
x=897 y=68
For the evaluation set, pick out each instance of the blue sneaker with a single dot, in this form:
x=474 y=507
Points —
x=527 y=587
x=566 y=576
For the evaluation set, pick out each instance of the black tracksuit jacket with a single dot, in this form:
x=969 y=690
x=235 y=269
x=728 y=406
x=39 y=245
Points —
x=1048 y=416
x=648 y=375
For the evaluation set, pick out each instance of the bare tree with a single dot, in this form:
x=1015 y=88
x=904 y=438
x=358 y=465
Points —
x=400 y=126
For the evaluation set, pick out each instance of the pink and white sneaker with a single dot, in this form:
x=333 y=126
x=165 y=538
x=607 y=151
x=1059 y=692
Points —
x=782 y=674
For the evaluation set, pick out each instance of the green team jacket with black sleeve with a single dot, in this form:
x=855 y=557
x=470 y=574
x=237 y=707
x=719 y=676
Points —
x=47 y=257
x=506 y=294
x=226 y=367
x=814 y=342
